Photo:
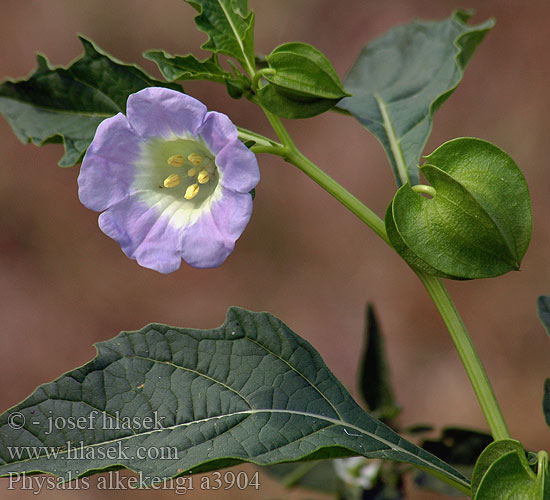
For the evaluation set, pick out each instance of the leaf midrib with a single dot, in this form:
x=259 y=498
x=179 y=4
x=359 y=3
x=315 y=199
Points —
x=251 y=412
x=392 y=139
x=249 y=68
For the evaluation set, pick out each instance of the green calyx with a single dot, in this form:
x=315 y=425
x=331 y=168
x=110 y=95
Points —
x=301 y=82
x=477 y=222
x=503 y=471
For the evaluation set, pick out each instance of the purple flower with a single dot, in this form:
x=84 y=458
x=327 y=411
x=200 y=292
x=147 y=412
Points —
x=173 y=181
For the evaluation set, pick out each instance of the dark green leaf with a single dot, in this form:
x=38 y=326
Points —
x=503 y=472
x=543 y=311
x=477 y=224
x=459 y=447
x=67 y=104
x=248 y=391
x=303 y=71
x=546 y=402
x=419 y=429
x=237 y=88
x=402 y=78
x=230 y=28
x=374 y=377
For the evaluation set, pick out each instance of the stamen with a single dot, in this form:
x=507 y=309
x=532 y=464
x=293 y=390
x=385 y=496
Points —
x=195 y=159
x=192 y=172
x=191 y=191
x=172 y=181
x=203 y=177
x=176 y=160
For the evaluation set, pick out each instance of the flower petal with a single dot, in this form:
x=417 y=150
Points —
x=160 y=112
x=107 y=170
x=239 y=167
x=143 y=233
x=217 y=130
x=209 y=241
x=203 y=245
x=232 y=213
x=157 y=226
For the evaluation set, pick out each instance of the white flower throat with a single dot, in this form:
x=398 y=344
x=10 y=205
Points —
x=196 y=163
x=183 y=167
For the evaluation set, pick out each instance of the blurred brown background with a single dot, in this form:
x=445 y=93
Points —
x=64 y=285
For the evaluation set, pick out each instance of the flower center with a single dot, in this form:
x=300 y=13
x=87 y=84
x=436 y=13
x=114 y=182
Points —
x=184 y=168
x=198 y=167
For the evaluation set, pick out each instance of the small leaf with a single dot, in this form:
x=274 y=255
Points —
x=67 y=104
x=248 y=391
x=457 y=446
x=478 y=222
x=230 y=28
x=543 y=311
x=303 y=71
x=546 y=401
x=419 y=429
x=502 y=471
x=187 y=67
x=374 y=377
x=403 y=77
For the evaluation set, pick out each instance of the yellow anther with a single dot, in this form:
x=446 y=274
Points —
x=195 y=159
x=176 y=160
x=192 y=172
x=172 y=181
x=191 y=191
x=203 y=177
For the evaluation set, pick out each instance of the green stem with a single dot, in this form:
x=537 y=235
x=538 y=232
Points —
x=248 y=135
x=468 y=354
x=259 y=75
x=291 y=154
x=280 y=130
x=437 y=291
x=324 y=180
x=421 y=188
